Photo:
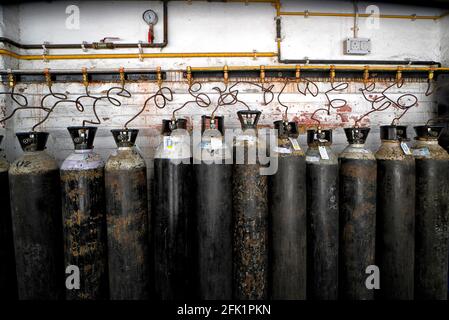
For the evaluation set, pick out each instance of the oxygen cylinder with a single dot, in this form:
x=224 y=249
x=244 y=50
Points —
x=172 y=221
x=395 y=238
x=432 y=205
x=287 y=204
x=8 y=281
x=250 y=207
x=322 y=216
x=84 y=219
x=127 y=220
x=36 y=217
x=358 y=177
x=213 y=212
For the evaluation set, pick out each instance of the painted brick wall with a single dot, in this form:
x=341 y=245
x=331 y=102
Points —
x=213 y=27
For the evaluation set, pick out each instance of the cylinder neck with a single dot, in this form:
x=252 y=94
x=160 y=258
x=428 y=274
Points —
x=427 y=141
x=357 y=145
x=83 y=150
x=390 y=142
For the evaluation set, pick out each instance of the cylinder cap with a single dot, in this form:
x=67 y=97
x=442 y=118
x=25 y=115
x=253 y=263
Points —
x=169 y=125
x=249 y=118
x=217 y=123
x=319 y=136
x=393 y=133
x=83 y=137
x=428 y=132
x=32 y=141
x=125 y=137
x=286 y=129
x=356 y=135
x=1 y=139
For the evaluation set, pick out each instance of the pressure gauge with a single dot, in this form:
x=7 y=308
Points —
x=150 y=17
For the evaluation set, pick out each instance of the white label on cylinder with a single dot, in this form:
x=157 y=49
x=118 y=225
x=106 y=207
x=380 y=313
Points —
x=323 y=152
x=405 y=148
x=312 y=159
x=295 y=144
x=281 y=150
x=168 y=143
x=421 y=152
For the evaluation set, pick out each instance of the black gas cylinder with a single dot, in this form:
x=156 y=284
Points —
x=36 y=216
x=432 y=214
x=322 y=216
x=395 y=235
x=84 y=218
x=172 y=229
x=358 y=178
x=288 y=220
x=127 y=220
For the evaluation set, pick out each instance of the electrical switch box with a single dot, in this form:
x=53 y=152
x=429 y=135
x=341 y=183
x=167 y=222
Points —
x=357 y=46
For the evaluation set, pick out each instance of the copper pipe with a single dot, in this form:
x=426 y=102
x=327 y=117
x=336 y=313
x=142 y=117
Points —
x=96 y=45
x=361 y=15
x=12 y=54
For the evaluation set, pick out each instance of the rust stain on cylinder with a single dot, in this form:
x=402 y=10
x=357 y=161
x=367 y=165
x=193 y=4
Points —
x=85 y=231
x=250 y=233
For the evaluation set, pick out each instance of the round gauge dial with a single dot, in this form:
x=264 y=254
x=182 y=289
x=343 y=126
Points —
x=150 y=17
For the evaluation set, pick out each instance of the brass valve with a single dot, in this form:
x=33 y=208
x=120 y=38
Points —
x=399 y=74
x=85 y=77
x=159 y=76
x=11 y=80
x=262 y=74
x=189 y=75
x=366 y=74
x=48 y=77
x=431 y=74
x=298 y=73
x=122 y=76
x=225 y=74
x=332 y=73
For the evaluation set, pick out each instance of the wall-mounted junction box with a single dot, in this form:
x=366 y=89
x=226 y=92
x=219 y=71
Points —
x=357 y=46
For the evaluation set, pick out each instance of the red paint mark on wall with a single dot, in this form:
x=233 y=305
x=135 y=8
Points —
x=344 y=108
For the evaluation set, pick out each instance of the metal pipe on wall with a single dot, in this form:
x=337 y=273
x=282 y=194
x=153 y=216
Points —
x=95 y=45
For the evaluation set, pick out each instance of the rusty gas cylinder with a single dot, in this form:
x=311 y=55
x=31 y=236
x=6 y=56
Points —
x=127 y=220
x=84 y=219
x=432 y=206
x=171 y=215
x=395 y=235
x=213 y=211
x=358 y=177
x=8 y=281
x=288 y=225
x=36 y=216
x=250 y=207
x=322 y=216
